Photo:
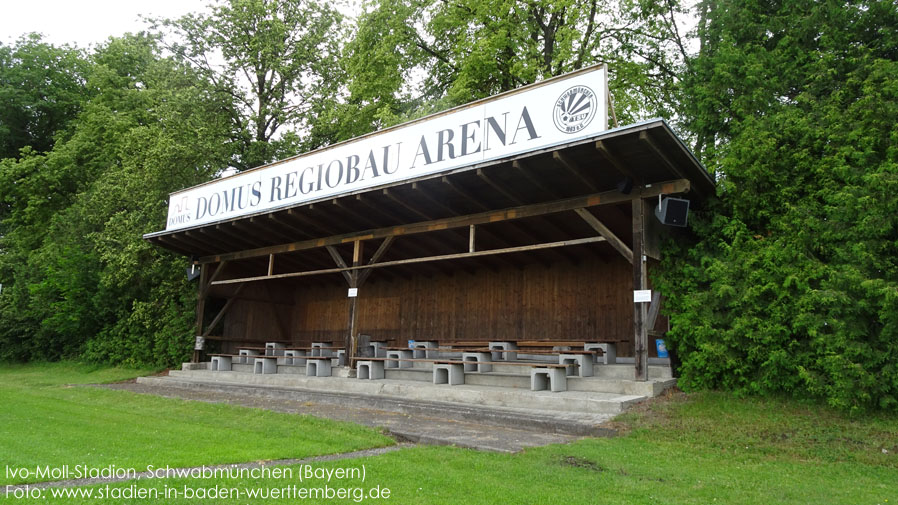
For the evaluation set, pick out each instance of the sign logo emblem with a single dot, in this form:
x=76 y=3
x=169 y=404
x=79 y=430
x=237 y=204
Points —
x=575 y=109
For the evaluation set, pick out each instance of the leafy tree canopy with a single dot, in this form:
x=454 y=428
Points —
x=41 y=90
x=276 y=58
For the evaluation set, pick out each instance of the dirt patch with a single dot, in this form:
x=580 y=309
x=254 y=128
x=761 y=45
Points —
x=579 y=462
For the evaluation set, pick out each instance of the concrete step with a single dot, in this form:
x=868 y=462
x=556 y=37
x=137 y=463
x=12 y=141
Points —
x=617 y=371
x=501 y=378
x=572 y=401
x=567 y=423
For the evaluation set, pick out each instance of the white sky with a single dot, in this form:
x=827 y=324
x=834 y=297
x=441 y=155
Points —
x=84 y=22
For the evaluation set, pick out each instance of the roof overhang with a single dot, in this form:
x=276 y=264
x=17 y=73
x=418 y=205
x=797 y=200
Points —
x=645 y=153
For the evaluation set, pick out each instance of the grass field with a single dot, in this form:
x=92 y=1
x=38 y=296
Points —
x=47 y=419
x=688 y=449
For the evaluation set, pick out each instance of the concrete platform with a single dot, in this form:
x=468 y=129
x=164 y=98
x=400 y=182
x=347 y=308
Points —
x=574 y=401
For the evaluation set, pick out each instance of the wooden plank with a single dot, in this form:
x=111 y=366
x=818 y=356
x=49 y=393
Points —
x=639 y=282
x=603 y=230
x=539 y=209
x=487 y=252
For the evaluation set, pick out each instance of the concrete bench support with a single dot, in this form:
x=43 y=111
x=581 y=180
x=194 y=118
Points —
x=378 y=349
x=504 y=346
x=420 y=349
x=294 y=357
x=221 y=363
x=266 y=365
x=609 y=356
x=341 y=357
x=548 y=378
x=274 y=349
x=477 y=357
x=247 y=355
x=579 y=365
x=399 y=354
x=321 y=349
x=318 y=368
x=448 y=373
x=370 y=370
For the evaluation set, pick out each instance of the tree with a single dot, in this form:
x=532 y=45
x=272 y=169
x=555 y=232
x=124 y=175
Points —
x=78 y=278
x=411 y=57
x=41 y=90
x=792 y=285
x=274 y=57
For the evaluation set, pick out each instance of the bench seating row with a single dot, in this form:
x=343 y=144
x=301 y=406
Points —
x=452 y=372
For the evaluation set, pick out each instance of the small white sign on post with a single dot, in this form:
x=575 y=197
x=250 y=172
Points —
x=353 y=292
x=200 y=343
x=642 y=296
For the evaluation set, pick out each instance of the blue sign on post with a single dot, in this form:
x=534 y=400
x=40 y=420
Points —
x=662 y=349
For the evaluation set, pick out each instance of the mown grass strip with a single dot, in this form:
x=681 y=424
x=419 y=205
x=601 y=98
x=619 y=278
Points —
x=47 y=422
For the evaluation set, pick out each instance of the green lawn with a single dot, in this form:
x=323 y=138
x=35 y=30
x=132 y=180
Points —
x=46 y=419
x=689 y=449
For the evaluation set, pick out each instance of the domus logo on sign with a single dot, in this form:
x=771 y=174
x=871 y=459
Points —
x=575 y=109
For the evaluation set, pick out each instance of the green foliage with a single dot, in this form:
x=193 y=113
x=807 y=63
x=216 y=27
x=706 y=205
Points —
x=409 y=58
x=41 y=90
x=80 y=280
x=275 y=58
x=792 y=284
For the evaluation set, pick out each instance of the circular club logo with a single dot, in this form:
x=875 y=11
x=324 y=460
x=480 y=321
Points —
x=574 y=109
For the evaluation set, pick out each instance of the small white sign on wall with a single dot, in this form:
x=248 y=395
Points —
x=353 y=292
x=642 y=296
x=199 y=344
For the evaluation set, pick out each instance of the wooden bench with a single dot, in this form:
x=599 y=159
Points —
x=608 y=346
x=446 y=371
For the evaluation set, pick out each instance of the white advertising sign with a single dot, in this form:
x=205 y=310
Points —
x=553 y=112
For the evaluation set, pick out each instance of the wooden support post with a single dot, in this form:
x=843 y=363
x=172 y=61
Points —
x=351 y=342
x=201 y=291
x=471 y=239
x=639 y=283
x=271 y=264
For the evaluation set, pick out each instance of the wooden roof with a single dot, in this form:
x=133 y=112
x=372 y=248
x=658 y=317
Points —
x=647 y=152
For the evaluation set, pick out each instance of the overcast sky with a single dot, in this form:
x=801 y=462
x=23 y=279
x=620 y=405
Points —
x=84 y=22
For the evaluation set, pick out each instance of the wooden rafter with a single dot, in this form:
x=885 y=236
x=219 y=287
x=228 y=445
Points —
x=647 y=140
x=571 y=167
x=539 y=209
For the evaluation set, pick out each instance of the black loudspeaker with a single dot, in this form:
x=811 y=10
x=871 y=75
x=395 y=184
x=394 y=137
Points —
x=673 y=211
x=625 y=186
x=193 y=272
